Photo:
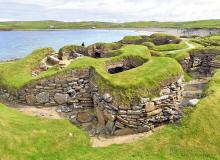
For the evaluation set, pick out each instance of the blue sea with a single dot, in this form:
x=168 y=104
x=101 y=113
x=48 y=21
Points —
x=18 y=44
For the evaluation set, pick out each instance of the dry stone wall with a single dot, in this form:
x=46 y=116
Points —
x=71 y=88
x=78 y=98
x=143 y=116
x=204 y=63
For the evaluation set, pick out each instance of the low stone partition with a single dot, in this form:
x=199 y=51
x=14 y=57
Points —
x=204 y=62
x=78 y=98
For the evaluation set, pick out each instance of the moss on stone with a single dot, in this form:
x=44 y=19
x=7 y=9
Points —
x=150 y=45
x=68 y=49
x=145 y=80
x=104 y=49
x=132 y=40
x=161 y=38
x=170 y=47
x=210 y=50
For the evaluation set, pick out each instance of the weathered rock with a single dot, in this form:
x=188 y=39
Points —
x=30 y=99
x=65 y=109
x=42 y=97
x=84 y=117
x=110 y=126
x=4 y=95
x=161 y=98
x=107 y=97
x=165 y=91
x=149 y=107
x=43 y=66
x=193 y=102
x=124 y=131
x=71 y=92
x=125 y=107
x=144 y=100
x=143 y=129
x=52 y=60
x=61 y=98
x=101 y=118
x=155 y=112
x=109 y=116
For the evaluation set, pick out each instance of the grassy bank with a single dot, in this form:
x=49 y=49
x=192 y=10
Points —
x=26 y=25
x=197 y=137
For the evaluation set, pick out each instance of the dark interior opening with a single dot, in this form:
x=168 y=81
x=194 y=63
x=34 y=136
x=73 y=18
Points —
x=97 y=55
x=124 y=64
x=115 y=70
x=119 y=69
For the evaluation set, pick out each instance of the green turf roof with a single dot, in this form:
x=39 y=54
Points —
x=145 y=80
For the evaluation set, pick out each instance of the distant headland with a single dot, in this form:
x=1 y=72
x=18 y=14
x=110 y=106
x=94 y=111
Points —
x=53 y=25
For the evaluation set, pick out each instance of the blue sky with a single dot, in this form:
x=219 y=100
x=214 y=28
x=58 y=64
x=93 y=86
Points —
x=109 y=10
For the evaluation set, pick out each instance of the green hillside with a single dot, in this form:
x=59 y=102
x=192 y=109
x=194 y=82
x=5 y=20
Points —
x=20 y=25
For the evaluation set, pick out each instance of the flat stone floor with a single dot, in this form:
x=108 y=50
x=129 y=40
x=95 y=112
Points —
x=44 y=112
x=104 y=142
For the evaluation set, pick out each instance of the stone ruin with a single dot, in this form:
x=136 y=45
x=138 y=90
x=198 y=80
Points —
x=128 y=63
x=102 y=50
x=202 y=61
x=77 y=97
x=69 y=53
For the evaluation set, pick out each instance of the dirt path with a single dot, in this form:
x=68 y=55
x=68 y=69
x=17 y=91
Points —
x=104 y=142
x=190 y=46
x=44 y=112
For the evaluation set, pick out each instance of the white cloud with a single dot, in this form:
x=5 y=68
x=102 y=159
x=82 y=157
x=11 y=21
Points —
x=5 y=19
x=124 y=10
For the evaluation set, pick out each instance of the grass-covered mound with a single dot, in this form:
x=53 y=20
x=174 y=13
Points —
x=66 y=51
x=209 y=50
x=15 y=74
x=103 y=49
x=213 y=40
x=161 y=39
x=132 y=40
x=145 y=80
x=197 y=137
x=170 y=47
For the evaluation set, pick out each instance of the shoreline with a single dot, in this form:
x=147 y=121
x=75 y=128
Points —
x=141 y=31
x=124 y=28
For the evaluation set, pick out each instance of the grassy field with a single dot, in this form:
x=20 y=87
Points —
x=15 y=73
x=20 y=25
x=196 y=138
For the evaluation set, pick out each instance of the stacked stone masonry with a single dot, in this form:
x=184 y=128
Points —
x=78 y=99
x=204 y=64
x=141 y=117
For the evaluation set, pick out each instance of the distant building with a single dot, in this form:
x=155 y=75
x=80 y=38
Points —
x=51 y=27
